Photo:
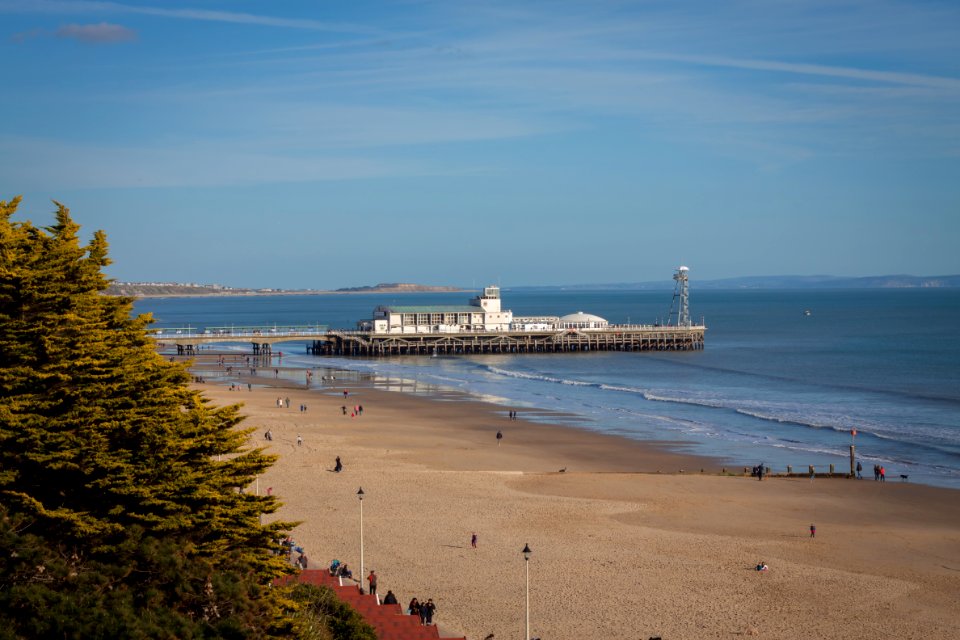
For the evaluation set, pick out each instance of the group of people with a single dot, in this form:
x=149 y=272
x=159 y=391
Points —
x=289 y=546
x=879 y=473
x=424 y=610
x=283 y=402
x=340 y=569
x=357 y=410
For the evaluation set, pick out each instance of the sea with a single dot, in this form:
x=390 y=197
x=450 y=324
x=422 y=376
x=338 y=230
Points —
x=774 y=385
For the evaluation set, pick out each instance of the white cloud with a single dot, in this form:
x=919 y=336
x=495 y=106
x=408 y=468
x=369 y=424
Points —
x=891 y=77
x=82 y=6
x=103 y=32
x=35 y=163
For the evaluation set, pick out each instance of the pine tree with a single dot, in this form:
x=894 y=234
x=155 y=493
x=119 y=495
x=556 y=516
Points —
x=121 y=504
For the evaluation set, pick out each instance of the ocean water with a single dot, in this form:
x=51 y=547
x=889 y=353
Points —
x=773 y=385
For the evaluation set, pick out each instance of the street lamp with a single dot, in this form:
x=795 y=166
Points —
x=526 y=563
x=360 y=495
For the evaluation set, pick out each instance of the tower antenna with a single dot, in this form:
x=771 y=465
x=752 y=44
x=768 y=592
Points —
x=681 y=298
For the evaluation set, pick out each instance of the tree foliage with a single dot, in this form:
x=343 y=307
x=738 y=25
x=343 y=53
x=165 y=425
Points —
x=321 y=616
x=121 y=505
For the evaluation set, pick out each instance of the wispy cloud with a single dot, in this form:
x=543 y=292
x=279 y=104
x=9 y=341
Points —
x=103 y=32
x=37 y=163
x=207 y=15
x=891 y=77
x=23 y=36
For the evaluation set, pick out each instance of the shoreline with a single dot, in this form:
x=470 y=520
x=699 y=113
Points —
x=682 y=460
x=250 y=294
x=644 y=553
x=567 y=442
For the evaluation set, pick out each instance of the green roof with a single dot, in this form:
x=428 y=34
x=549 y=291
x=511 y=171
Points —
x=433 y=309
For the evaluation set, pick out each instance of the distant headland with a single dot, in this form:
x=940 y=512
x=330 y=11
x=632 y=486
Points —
x=398 y=287
x=774 y=282
x=190 y=289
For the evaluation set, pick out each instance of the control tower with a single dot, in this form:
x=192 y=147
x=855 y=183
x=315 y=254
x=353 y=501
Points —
x=681 y=298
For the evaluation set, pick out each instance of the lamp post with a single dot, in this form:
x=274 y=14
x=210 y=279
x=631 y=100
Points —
x=360 y=495
x=526 y=563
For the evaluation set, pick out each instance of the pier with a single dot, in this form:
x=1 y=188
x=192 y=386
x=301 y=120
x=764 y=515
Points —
x=480 y=327
x=611 y=338
x=332 y=342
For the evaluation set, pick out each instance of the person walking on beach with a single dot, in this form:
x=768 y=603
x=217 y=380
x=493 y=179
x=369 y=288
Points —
x=499 y=437
x=473 y=541
x=883 y=474
x=427 y=611
x=813 y=531
x=299 y=440
x=760 y=472
x=372 y=579
x=859 y=470
x=876 y=472
x=338 y=467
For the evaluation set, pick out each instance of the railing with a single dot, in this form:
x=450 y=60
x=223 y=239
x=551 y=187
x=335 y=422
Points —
x=455 y=330
x=275 y=331
x=295 y=331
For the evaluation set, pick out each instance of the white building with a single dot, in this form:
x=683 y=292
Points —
x=482 y=314
x=581 y=320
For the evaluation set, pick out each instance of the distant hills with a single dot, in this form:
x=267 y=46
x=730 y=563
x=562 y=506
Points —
x=188 y=289
x=179 y=289
x=398 y=287
x=777 y=282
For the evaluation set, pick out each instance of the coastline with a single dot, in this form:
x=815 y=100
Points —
x=644 y=553
x=253 y=294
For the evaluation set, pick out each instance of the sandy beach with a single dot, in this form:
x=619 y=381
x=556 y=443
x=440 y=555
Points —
x=624 y=545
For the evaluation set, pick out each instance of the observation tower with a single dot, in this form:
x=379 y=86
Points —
x=681 y=298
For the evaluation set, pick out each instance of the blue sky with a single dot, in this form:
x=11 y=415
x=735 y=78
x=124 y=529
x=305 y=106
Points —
x=330 y=144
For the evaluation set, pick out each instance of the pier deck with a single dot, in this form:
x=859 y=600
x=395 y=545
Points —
x=321 y=341
x=614 y=338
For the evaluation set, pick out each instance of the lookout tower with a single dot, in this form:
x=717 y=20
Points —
x=681 y=298
x=489 y=301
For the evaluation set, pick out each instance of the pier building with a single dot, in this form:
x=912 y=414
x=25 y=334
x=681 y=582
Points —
x=482 y=314
x=484 y=326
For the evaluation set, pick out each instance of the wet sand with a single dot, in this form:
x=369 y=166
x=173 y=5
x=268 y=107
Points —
x=624 y=546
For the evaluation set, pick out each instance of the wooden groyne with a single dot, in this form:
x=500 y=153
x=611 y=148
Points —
x=614 y=338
